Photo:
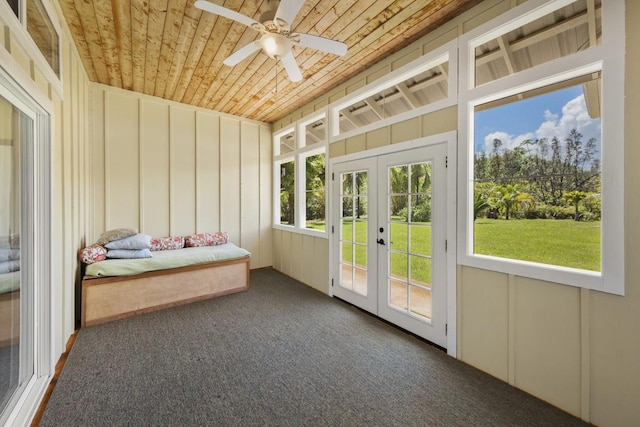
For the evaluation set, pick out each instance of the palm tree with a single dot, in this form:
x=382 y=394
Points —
x=575 y=197
x=508 y=197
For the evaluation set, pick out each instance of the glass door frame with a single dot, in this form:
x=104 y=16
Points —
x=35 y=229
x=450 y=138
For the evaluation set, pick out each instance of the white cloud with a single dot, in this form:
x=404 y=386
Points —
x=574 y=116
x=508 y=141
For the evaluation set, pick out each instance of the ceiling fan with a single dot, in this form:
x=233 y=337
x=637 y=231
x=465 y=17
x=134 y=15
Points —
x=277 y=39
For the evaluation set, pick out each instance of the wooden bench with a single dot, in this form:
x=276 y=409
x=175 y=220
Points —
x=110 y=298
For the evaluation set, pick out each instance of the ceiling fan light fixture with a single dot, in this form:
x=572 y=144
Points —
x=275 y=45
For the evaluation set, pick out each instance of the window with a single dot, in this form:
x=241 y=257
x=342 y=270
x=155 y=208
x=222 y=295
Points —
x=314 y=191
x=38 y=34
x=15 y=6
x=43 y=33
x=417 y=88
x=287 y=193
x=541 y=132
x=300 y=159
x=423 y=87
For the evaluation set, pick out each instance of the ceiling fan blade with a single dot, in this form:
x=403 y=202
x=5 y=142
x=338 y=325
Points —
x=227 y=13
x=288 y=10
x=241 y=54
x=291 y=66
x=320 y=43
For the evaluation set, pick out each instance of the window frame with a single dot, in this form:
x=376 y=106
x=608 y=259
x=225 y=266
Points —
x=608 y=58
x=298 y=156
x=444 y=53
x=18 y=28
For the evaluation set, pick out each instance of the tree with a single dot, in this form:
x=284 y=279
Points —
x=287 y=193
x=575 y=197
x=507 y=197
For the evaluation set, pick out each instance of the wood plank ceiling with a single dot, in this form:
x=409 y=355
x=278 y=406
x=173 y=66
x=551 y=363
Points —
x=170 y=49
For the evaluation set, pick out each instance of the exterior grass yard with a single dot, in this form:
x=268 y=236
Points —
x=557 y=242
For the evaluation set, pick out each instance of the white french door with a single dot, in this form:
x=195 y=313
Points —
x=389 y=238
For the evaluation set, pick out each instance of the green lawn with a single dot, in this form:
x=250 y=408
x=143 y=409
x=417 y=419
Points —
x=557 y=242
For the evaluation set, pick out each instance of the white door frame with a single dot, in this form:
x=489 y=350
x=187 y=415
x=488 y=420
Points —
x=450 y=138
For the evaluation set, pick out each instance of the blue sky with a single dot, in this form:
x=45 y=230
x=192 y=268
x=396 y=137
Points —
x=555 y=113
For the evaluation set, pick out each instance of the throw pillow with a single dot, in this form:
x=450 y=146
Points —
x=138 y=241
x=167 y=243
x=93 y=253
x=129 y=253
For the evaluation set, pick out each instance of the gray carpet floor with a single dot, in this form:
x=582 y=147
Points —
x=280 y=354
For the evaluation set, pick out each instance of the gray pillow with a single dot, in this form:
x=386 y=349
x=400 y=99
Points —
x=129 y=253
x=138 y=241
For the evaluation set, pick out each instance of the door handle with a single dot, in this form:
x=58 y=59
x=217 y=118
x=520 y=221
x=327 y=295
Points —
x=380 y=242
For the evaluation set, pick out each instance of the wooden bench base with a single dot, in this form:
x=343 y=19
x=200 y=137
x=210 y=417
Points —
x=111 y=298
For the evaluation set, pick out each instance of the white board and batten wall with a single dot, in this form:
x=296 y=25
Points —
x=573 y=347
x=170 y=169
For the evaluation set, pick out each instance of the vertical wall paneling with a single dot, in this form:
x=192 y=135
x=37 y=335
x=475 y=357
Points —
x=266 y=194
x=67 y=192
x=208 y=173
x=182 y=170
x=98 y=173
x=488 y=352
x=277 y=249
x=250 y=190
x=121 y=151
x=59 y=294
x=154 y=168
x=306 y=268
x=230 y=177
x=321 y=265
x=296 y=255
x=547 y=347
x=179 y=170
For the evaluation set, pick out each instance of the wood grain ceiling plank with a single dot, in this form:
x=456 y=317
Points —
x=155 y=27
x=106 y=27
x=92 y=35
x=139 y=23
x=185 y=41
x=77 y=33
x=255 y=98
x=263 y=67
x=171 y=33
x=208 y=68
x=357 y=23
x=402 y=37
x=239 y=35
x=430 y=18
x=122 y=25
x=196 y=51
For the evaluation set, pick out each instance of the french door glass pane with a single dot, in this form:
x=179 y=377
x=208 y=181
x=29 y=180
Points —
x=409 y=222
x=353 y=231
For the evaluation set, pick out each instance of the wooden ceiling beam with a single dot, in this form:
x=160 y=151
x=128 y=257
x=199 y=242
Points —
x=544 y=34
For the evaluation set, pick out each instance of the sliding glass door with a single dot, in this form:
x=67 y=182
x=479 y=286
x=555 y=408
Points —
x=25 y=312
x=16 y=336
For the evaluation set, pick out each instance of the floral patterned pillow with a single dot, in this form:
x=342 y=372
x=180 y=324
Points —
x=93 y=253
x=206 y=239
x=167 y=243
